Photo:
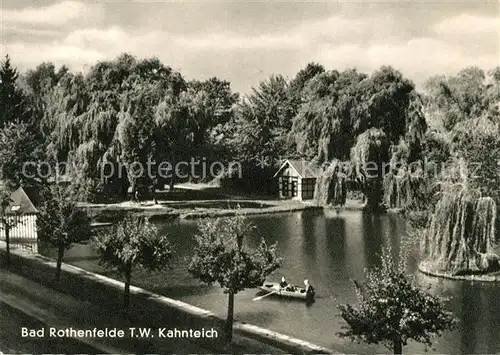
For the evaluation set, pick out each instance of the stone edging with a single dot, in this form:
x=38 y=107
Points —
x=249 y=330
x=250 y=212
x=169 y=213
x=264 y=335
x=482 y=278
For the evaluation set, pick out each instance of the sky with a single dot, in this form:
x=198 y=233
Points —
x=245 y=42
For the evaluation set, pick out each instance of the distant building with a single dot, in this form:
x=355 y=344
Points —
x=297 y=180
x=21 y=210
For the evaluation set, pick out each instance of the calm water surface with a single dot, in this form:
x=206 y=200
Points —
x=330 y=250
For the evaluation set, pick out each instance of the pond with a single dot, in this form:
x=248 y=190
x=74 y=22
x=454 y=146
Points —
x=330 y=250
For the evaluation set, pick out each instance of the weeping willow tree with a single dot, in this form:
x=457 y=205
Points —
x=462 y=230
x=397 y=188
x=85 y=117
x=79 y=122
x=135 y=135
x=331 y=185
x=397 y=180
x=369 y=156
x=329 y=116
x=461 y=234
x=406 y=184
x=64 y=103
x=477 y=141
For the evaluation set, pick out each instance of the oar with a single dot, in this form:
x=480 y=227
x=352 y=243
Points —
x=261 y=297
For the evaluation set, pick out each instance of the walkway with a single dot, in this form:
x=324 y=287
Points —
x=11 y=321
x=59 y=310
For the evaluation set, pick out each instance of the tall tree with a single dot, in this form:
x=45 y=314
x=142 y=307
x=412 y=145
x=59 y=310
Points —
x=493 y=92
x=20 y=154
x=220 y=256
x=469 y=141
x=135 y=133
x=263 y=121
x=311 y=124
x=62 y=105
x=300 y=81
x=211 y=106
x=326 y=124
x=43 y=78
x=83 y=116
x=369 y=156
x=296 y=95
x=405 y=181
x=11 y=97
x=337 y=107
x=453 y=99
x=464 y=117
x=191 y=125
x=389 y=96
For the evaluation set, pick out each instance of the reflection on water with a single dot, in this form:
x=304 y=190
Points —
x=330 y=250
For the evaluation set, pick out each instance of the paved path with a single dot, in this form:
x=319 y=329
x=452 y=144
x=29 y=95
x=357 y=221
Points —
x=11 y=321
x=59 y=310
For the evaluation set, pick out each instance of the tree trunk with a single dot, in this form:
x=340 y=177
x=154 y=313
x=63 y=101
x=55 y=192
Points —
x=172 y=178
x=133 y=191
x=230 y=317
x=153 y=194
x=128 y=276
x=398 y=346
x=7 y=245
x=172 y=182
x=124 y=184
x=374 y=195
x=60 y=254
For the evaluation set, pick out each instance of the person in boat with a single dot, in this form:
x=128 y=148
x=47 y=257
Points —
x=283 y=282
x=309 y=288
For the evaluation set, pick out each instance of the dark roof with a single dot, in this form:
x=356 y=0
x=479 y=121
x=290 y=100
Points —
x=304 y=168
x=21 y=199
x=34 y=194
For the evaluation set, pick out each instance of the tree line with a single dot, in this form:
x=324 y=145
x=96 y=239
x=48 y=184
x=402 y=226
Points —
x=130 y=110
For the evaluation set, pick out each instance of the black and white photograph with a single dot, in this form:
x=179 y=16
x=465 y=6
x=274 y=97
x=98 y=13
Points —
x=249 y=177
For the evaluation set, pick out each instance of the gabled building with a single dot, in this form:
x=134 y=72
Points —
x=297 y=180
x=24 y=214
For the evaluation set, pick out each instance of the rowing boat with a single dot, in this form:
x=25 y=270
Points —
x=288 y=291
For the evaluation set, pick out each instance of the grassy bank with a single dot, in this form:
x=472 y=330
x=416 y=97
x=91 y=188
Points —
x=167 y=210
x=192 y=201
x=149 y=309
x=427 y=269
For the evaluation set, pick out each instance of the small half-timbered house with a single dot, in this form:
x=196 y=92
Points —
x=297 y=180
